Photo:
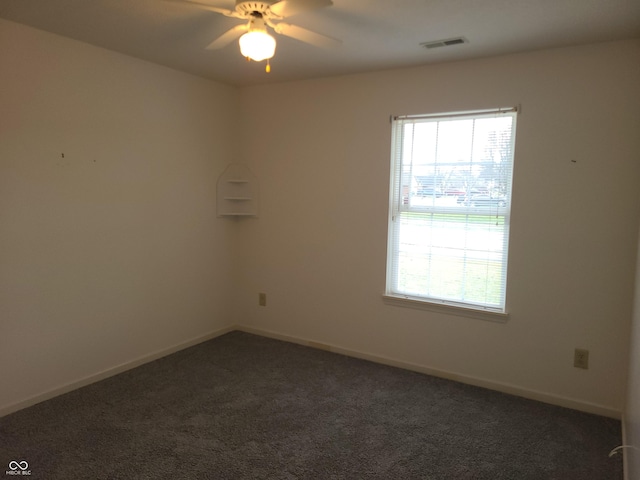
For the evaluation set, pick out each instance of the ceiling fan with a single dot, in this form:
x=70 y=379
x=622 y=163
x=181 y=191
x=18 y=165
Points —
x=255 y=41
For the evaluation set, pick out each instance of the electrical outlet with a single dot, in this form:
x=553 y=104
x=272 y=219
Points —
x=581 y=358
x=262 y=299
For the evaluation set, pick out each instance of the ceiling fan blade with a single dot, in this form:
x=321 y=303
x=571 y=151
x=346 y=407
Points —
x=206 y=6
x=288 y=8
x=306 y=36
x=227 y=37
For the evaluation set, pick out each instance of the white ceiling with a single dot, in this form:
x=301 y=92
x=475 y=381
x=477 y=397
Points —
x=376 y=34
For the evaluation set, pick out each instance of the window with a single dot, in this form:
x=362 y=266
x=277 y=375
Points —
x=450 y=208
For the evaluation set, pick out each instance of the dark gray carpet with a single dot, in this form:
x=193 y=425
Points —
x=247 y=407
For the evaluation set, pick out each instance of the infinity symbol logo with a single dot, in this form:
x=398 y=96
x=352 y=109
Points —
x=13 y=465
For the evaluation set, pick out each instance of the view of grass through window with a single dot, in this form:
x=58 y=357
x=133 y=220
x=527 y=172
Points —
x=434 y=257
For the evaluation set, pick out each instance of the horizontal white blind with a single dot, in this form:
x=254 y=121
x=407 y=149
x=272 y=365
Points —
x=450 y=208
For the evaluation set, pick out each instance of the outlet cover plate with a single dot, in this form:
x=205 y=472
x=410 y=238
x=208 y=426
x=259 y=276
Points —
x=581 y=358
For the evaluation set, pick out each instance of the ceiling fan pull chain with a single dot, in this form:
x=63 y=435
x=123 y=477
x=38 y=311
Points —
x=268 y=67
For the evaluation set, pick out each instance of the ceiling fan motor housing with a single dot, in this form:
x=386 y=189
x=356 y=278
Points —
x=248 y=8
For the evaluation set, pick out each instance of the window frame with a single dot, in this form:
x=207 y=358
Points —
x=393 y=295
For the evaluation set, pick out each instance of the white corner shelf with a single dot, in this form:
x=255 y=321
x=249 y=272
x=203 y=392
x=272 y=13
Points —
x=237 y=192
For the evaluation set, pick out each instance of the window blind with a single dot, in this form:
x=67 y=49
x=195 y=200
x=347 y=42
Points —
x=450 y=204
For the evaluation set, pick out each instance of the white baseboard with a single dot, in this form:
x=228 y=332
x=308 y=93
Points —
x=109 y=372
x=478 y=382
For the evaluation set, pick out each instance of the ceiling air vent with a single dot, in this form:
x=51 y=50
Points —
x=444 y=43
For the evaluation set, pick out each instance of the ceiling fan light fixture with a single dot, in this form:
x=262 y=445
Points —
x=257 y=44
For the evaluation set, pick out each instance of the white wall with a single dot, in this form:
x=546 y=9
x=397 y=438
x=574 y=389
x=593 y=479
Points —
x=632 y=411
x=113 y=252
x=321 y=151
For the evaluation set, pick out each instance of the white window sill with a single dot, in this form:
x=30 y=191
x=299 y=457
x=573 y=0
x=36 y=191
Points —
x=403 y=301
